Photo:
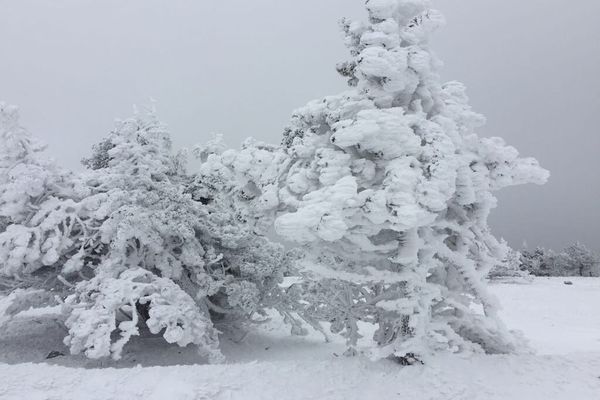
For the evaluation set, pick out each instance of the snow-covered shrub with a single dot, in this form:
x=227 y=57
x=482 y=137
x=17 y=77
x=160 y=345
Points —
x=25 y=176
x=251 y=175
x=387 y=185
x=148 y=213
x=535 y=262
x=18 y=300
x=140 y=237
x=391 y=184
x=510 y=266
x=38 y=220
x=99 y=302
x=581 y=261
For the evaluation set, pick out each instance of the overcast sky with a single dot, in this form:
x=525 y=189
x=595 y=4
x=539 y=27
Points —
x=240 y=67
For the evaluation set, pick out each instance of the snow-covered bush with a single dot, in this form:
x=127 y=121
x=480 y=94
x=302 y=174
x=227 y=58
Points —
x=38 y=221
x=390 y=185
x=581 y=261
x=18 y=300
x=575 y=260
x=170 y=310
x=25 y=176
x=148 y=213
x=510 y=266
x=387 y=187
x=251 y=175
x=140 y=237
x=535 y=262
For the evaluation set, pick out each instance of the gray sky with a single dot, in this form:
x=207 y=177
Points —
x=240 y=67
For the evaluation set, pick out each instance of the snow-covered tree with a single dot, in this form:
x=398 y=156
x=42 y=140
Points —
x=581 y=261
x=25 y=176
x=143 y=245
x=391 y=186
x=37 y=218
x=149 y=214
x=387 y=185
x=251 y=175
x=536 y=262
x=510 y=266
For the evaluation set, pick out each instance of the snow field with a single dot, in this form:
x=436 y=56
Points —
x=560 y=321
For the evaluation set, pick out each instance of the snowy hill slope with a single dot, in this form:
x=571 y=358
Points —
x=562 y=323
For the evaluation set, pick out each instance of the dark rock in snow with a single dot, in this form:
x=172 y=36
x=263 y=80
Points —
x=54 y=354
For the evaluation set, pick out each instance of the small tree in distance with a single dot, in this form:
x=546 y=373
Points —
x=511 y=266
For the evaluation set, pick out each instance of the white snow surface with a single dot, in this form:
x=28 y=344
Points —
x=561 y=321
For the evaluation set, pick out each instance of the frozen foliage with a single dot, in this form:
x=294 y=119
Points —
x=250 y=175
x=575 y=260
x=25 y=177
x=391 y=185
x=169 y=309
x=37 y=214
x=149 y=214
x=136 y=242
x=510 y=266
x=19 y=300
x=387 y=185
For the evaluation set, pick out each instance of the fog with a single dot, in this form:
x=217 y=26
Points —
x=241 y=67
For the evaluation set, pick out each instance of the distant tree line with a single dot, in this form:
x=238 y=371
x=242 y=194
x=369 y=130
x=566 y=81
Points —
x=575 y=260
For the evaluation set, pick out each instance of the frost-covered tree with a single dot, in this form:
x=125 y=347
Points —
x=536 y=262
x=387 y=184
x=187 y=235
x=251 y=175
x=26 y=178
x=37 y=220
x=390 y=184
x=510 y=266
x=147 y=246
x=580 y=261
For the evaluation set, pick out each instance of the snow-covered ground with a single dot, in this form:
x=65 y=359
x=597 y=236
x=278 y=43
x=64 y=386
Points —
x=561 y=321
